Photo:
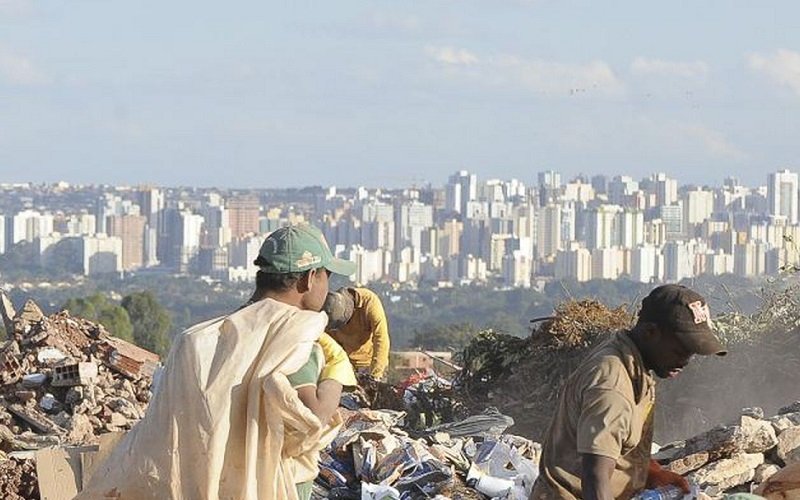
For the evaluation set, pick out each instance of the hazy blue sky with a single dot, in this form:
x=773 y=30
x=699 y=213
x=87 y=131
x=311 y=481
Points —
x=255 y=93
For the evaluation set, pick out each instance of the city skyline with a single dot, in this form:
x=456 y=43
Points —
x=393 y=94
x=469 y=230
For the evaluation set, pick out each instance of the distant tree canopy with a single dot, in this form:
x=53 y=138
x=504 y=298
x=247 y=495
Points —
x=452 y=337
x=98 y=308
x=151 y=321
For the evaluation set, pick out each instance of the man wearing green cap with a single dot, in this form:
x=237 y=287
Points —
x=246 y=401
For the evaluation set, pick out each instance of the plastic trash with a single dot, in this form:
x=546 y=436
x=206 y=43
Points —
x=34 y=379
x=666 y=493
x=491 y=486
x=378 y=492
x=49 y=403
x=49 y=355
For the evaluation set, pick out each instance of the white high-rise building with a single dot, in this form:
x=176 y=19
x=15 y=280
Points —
x=782 y=195
x=462 y=187
x=602 y=230
x=631 y=228
x=607 y=263
x=414 y=218
x=370 y=264
x=2 y=234
x=574 y=263
x=28 y=225
x=666 y=189
x=548 y=231
x=698 y=205
x=646 y=264
x=101 y=254
x=517 y=270
x=678 y=261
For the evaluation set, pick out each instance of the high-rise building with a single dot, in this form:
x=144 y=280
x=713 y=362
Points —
x=678 y=261
x=620 y=188
x=782 y=195
x=243 y=213
x=462 y=187
x=548 y=232
x=646 y=264
x=27 y=225
x=698 y=205
x=630 y=223
x=672 y=216
x=666 y=189
x=607 y=263
x=2 y=234
x=130 y=229
x=101 y=254
x=151 y=201
x=574 y=263
x=517 y=269
x=602 y=228
x=412 y=219
x=450 y=238
x=549 y=187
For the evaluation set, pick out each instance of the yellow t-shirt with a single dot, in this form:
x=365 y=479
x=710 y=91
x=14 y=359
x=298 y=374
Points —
x=365 y=337
x=605 y=408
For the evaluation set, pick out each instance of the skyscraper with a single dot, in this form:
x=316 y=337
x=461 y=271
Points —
x=782 y=195
x=462 y=187
x=666 y=189
x=243 y=212
x=131 y=231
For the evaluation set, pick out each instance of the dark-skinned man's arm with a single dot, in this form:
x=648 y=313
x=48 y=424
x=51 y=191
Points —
x=596 y=477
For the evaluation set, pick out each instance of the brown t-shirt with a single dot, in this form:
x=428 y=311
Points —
x=605 y=408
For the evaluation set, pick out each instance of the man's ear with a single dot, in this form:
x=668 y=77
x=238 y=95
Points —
x=305 y=283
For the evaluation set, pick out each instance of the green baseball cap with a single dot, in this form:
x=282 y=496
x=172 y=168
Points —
x=298 y=248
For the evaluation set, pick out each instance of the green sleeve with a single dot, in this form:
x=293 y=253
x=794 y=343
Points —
x=308 y=374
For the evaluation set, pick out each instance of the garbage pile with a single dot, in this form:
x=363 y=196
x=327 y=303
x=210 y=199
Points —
x=522 y=376
x=375 y=457
x=739 y=457
x=63 y=381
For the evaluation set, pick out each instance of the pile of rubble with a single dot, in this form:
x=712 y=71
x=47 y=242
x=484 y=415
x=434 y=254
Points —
x=739 y=457
x=64 y=381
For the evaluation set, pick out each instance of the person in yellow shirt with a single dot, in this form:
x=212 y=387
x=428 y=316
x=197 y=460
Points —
x=357 y=321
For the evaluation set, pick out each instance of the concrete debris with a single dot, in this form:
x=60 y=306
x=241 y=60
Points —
x=788 y=449
x=728 y=472
x=764 y=472
x=64 y=381
x=738 y=457
x=18 y=479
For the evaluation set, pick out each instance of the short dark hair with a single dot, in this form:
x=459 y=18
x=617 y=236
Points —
x=276 y=282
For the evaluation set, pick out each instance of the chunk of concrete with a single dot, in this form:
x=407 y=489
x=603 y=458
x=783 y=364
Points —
x=764 y=472
x=759 y=433
x=789 y=445
x=784 y=421
x=728 y=472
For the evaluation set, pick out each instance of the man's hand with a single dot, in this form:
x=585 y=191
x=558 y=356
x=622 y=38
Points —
x=657 y=477
x=596 y=477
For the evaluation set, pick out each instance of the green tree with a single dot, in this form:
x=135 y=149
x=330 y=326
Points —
x=151 y=321
x=108 y=313
x=452 y=337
